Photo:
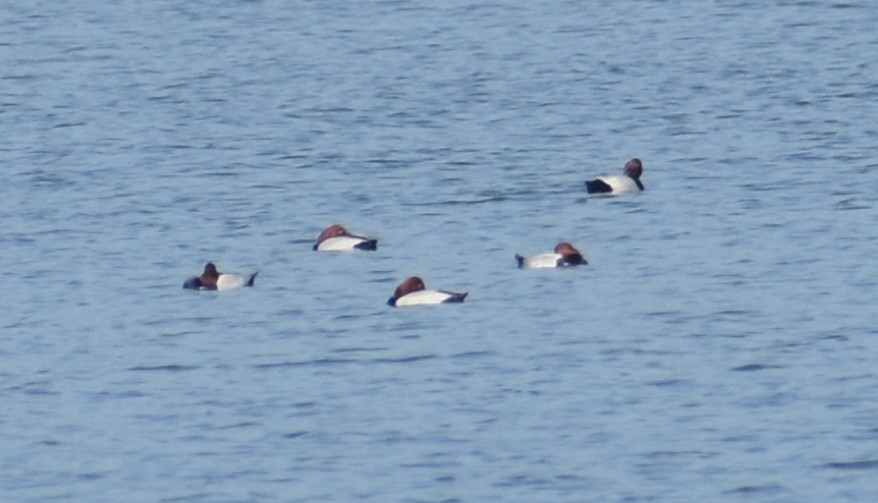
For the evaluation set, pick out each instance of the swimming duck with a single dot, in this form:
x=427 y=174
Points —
x=413 y=292
x=337 y=238
x=629 y=181
x=211 y=279
x=564 y=255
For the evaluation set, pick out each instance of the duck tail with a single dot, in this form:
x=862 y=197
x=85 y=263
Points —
x=370 y=244
x=597 y=186
x=456 y=297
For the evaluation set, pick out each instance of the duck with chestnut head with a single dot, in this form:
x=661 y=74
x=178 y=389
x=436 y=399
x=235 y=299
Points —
x=211 y=279
x=337 y=238
x=413 y=292
x=564 y=255
x=628 y=181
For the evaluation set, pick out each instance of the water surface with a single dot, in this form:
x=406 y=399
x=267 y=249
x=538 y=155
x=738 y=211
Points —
x=720 y=345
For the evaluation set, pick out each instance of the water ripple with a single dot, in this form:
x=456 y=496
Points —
x=869 y=464
x=164 y=368
x=727 y=305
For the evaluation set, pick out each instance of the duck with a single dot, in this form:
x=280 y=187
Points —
x=564 y=255
x=629 y=181
x=337 y=238
x=211 y=279
x=413 y=292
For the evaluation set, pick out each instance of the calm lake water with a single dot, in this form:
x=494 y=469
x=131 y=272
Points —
x=720 y=346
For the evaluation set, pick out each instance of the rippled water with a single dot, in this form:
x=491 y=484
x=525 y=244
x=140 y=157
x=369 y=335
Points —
x=720 y=346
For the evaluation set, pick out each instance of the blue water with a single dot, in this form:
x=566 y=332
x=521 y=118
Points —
x=720 y=346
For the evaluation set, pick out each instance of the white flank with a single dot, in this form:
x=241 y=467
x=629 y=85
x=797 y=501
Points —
x=229 y=281
x=620 y=183
x=422 y=297
x=542 y=261
x=340 y=243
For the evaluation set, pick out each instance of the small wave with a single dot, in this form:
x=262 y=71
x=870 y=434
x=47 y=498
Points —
x=357 y=349
x=768 y=488
x=666 y=382
x=462 y=202
x=64 y=125
x=306 y=363
x=867 y=464
x=753 y=367
x=851 y=205
x=405 y=359
x=35 y=389
x=473 y=354
x=165 y=368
